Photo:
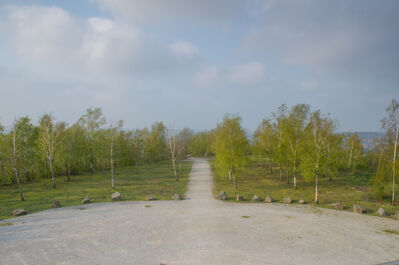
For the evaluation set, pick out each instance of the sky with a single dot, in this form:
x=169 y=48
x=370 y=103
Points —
x=187 y=63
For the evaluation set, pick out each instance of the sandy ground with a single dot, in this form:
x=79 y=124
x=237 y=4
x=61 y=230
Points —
x=199 y=230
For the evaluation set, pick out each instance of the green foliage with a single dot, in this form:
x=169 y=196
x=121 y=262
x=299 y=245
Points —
x=230 y=147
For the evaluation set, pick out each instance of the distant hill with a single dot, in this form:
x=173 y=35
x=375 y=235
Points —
x=368 y=138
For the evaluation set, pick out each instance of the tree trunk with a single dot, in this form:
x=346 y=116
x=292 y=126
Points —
x=394 y=161
x=137 y=164
x=350 y=156
x=229 y=174
x=270 y=165
x=316 y=197
x=281 y=174
x=15 y=167
x=3 y=174
x=112 y=163
x=294 y=174
x=52 y=172
x=174 y=169
x=234 y=182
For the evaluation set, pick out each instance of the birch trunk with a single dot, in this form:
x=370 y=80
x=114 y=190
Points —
x=15 y=167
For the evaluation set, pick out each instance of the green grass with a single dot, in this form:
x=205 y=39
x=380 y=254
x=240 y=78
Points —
x=5 y=224
x=156 y=179
x=254 y=179
x=390 y=231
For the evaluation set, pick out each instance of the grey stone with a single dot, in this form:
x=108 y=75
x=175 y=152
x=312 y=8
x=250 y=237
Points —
x=287 y=200
x=221 y=196
x=337 y=205
x=381 y=212
x=149 y=197
x=177 y=197
x=301 y=201
x=19 y=212
x=359 y=208
x=396 y=216
x=116 y=196
x=269 y=199
x=86 y=200
x=255 y=198
x=239 y=197
x=56 y=204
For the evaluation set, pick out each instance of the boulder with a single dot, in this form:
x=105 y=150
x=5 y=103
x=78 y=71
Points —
x=301 y=201
x=396 y=216
x=221 y=196
x=255 y=198
x=56 y=204
x=337 y=205
x=149 y=197
x=239 y=197
x=287 y=200
x=359 y=208
x=19 y=212
x=177 y=197
x=269 y=199
x=116 y=196
x=381 y=212
x=86 y=200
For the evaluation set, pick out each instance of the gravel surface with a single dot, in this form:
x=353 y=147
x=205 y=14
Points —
x=199 y=230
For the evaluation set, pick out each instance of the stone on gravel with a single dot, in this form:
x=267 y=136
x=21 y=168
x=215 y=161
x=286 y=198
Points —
x=177 y=197
x=301 y=201
x=381 y=212
x=149 y=197
x=116 y=196
x=19 y=212
x=222 y=196
x=287 y=200
x=239 y=197
x=269 y=199
x=255 y=198
x=396 y=216
x=86 y=200
x=359 y=208
x=56 y=204
x=337 y=205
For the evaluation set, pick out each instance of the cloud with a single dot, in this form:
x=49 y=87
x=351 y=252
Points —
x=309 y=86
x=205 y=11
x=247 y=75
x=340 y=36
x=184 y=49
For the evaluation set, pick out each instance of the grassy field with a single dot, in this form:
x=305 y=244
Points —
x=254 y=179
x=156 y=179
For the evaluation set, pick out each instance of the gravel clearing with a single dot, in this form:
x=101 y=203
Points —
x=199 y=230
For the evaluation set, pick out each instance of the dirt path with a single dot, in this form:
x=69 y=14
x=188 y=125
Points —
x=199 y=230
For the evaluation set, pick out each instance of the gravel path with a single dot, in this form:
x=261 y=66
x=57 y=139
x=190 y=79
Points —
x=199 y=230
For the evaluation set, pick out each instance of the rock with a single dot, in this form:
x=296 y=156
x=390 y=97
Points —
x=255 y=198
x=358 y=208
x=149 y=197
x=222 y=196
x=301 y=201
x=177 y=197
x=239 y=197
x=287 y=200
x=116 y=196
x=269 y=199
x=56 y=204
x=382 y=212
x=19 y=212
x=86 y=200
x=337 y=205
x=396 y=216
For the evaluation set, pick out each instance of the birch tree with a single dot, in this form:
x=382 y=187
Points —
x=49 y=139
x=230 y=147
x=296 y=122
x=263 y=140
x=113 y=132
x=391 y=125
x=173 y=150
x=15 y=137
